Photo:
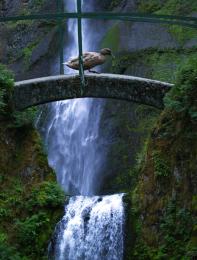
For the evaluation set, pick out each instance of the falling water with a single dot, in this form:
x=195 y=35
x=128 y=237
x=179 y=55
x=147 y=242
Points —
x=72 y=132
x=91 y=229
x=92 y=225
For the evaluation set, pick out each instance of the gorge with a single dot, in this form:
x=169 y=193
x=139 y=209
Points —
x=139 y=198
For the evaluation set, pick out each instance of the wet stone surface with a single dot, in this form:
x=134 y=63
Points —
x=43 y=90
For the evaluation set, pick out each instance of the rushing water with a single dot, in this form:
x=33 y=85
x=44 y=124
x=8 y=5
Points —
x=92 y=225
x=91 y=229
x=72 y=132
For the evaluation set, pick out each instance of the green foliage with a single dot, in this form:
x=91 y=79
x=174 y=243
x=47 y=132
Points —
x=46 y=194
x=175 y=233
x=194 y=203
x=182 y=97
x=33 y=214
x=112 y=39
x=24 y=118
x=183 y=34
x=161 y=167
x=114 y=3
x=17 y=119
x=27 y=53
x=165 y=64
x=37 y=3
x=168 y=222
x=31 y=202
x=108 y=5
x=2 y=103
x=150 y=6
x=30 y=229
x=10 y=253
x=156 y=64
x=178 y=7
x=36 y=229
x=6 y=88
x=176 y=228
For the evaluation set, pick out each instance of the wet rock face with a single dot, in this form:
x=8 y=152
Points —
x=141 y=36
x=103 y=5
x=28 y=47
x=8 y=7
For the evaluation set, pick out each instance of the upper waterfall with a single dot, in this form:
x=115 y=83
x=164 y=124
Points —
x=75 y=148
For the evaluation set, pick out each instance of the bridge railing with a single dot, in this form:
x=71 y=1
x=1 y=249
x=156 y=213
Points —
x=59 y=16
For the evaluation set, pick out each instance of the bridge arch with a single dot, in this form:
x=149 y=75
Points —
x=54 y=88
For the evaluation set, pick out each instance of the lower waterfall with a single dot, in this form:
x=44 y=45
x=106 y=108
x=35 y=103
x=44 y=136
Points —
x=92 y=228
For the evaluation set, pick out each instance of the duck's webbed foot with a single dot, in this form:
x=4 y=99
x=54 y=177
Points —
x=94 y=71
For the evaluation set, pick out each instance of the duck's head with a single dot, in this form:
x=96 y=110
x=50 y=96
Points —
x=106 y=51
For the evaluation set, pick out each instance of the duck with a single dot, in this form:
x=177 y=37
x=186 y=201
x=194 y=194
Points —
x=90 y=60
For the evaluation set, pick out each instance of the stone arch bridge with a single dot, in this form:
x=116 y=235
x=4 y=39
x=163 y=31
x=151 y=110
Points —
x=47 y=89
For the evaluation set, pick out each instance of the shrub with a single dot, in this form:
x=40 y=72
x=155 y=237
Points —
x=9 y=253
x=24 y=118
x=182 y=98
x=29 y=229
x=161 y=167
x=18 y=119
x=47 y=194
x=6 y=88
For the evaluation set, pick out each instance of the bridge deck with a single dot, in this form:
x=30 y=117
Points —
x=47 y=89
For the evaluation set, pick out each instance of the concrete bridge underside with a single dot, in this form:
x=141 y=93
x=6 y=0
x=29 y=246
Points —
x=47 y=89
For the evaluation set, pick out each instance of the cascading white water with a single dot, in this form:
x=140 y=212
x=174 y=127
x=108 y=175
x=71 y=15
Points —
x=72 y=132
x=73 y=145
x=91 y=229
x=92 y=226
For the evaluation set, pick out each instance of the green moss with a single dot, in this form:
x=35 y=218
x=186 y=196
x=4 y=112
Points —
x=194 y=203
x=24 y=118
x=175 y=234
x=15 y=118
x=158 y=64
x=31 y=202
x=112 y=39
x=45 y=194
x=175 y=231
x=166 y=225
x=149 y=6
x=38 y=4
x=181 y=98
x=182 y=34
x=178 y=7
x=174 y=7
x=18 y=24
x=27 y=53
x=161 y=166
x=6 y=89
x=114 y=3
x=132 y=123
x=164 y=64
x=9 y=253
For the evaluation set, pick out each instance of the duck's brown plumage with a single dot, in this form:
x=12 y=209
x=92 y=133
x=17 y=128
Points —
x=90 y=59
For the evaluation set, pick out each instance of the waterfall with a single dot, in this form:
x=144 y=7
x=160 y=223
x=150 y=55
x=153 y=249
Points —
x=91 y=229
x=92 y=225
x=72 y=131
